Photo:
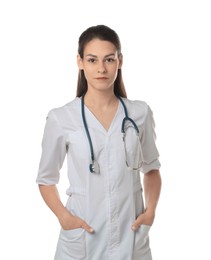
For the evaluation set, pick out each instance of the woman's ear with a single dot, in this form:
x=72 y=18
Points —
x=80 y=62
x=120 y=61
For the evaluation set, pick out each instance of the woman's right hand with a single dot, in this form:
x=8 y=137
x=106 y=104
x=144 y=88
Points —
x=68 y=222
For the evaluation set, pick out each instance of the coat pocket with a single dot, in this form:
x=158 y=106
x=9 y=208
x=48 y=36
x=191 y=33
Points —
x=71 y=245
x=141 y=244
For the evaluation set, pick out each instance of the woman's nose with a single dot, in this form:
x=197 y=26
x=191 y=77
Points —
x=101 y=68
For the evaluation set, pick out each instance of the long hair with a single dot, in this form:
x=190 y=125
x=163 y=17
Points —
x=104 y=33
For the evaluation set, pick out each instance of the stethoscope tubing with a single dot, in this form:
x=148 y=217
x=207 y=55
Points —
x=86 y=128
x=126 y=118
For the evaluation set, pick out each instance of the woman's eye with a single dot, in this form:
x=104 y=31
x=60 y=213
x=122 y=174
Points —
x=109 y=60
x=91 y=60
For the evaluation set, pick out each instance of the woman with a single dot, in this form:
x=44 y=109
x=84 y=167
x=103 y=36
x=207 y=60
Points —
x=105 y=217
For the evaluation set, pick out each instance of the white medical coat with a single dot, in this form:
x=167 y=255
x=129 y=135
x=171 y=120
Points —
x=110 y=201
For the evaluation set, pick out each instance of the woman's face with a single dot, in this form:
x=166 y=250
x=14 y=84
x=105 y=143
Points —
x=100 y=64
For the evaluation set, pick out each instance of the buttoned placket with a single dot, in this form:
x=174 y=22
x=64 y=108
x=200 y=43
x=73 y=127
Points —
x=112 y=206
x=111 y=195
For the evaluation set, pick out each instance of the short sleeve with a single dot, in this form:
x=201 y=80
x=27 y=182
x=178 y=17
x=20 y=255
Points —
x=53 y=152
x=150 y=154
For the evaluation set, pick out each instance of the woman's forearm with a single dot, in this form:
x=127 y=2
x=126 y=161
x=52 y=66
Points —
x=152 y=188
x=52 y=199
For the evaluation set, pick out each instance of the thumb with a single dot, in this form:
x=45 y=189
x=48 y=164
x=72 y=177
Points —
x=86 y=227
x=137 y=223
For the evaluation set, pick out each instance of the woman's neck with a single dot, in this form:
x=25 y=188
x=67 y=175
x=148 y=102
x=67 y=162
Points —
x=100 y=99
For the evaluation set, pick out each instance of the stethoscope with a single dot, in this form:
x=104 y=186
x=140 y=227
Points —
x=94 y=166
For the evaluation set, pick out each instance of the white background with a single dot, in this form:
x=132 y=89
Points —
x=167 y=63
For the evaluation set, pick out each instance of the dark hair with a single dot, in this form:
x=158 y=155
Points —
x=104 y=33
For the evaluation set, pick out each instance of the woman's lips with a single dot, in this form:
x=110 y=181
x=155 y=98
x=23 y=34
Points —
x=101 y=78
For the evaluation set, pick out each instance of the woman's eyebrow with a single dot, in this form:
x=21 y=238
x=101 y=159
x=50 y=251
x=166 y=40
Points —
x=111 y=54
x=92 y=55
x=95 y=56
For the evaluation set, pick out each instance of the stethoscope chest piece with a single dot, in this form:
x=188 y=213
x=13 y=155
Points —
x=94 y=167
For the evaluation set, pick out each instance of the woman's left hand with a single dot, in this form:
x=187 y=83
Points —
x=146 y=218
